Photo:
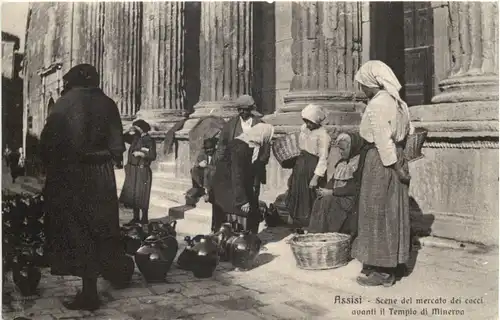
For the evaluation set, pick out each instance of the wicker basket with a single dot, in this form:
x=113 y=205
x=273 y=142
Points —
x=286 y=147
x=413 y=149
x=320 y=251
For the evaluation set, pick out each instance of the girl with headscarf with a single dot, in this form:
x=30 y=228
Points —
x=334 y=208
x=383 y=240
x=235 y=197
x=309 y=171
x=136 y=189
x=81 y=141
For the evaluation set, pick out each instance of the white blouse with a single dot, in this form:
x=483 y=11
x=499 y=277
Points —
x=316 y=142
x=379 y=126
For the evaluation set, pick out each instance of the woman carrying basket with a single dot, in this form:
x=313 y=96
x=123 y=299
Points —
x=383 y=239
x=309 y=171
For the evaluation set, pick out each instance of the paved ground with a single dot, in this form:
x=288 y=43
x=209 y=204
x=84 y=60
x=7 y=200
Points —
x=456 y=281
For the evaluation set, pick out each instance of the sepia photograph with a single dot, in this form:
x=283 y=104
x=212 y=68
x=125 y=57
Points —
x=250 y=160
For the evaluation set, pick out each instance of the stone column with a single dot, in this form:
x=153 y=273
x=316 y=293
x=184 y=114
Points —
x=473 y=35
x=326 y=53
x=226 y=54
x=457 y=180
x=163 y=85
x=122 y=51
x=88 y=34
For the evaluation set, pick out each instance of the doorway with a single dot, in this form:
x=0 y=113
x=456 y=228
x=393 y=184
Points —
x=401 y=35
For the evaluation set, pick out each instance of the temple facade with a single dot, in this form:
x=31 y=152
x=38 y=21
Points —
x=158 y=60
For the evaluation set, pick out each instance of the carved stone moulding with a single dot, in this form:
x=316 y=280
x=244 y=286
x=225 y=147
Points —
x=468 y=88
x=221 y=108
x=160 y=119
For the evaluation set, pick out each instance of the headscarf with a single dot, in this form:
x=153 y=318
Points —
x=376 y=74
x=259 y=134
x=82 y=75
x=345 y=169
x=314 y=113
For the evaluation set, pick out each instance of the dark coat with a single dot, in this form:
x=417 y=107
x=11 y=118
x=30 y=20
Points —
x=80 y=141
x=233 y=129
x=233 y=182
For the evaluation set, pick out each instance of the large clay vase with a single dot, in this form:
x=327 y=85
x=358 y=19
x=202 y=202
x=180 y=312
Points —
x=155 y=257
x=244 y=249
x=132 y=237
x=26 y=276
x=205 y=258
x=221 y=237
x=185 y=259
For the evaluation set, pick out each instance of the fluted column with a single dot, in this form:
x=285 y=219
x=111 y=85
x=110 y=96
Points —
x=88 y=34
x=163 y=83
x=122 y=53
x=326 y=53
x=473 y=35
x=226 y=54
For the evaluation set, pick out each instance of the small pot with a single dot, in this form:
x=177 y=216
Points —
x=132 y=237
x=244 y=249
x=155 y=257
x=205 y=258
x=26 y=277
x=221 y=237
x=185 y=259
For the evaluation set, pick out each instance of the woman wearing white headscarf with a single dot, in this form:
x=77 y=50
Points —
x=383 y=240
x=309 y=171
x=234 y=192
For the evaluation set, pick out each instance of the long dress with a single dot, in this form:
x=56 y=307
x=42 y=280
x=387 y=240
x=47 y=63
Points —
x=336 y=212
x=80 y=143
x=233 y=186
x=312 y=159
x=384 y=219
x=136 y=191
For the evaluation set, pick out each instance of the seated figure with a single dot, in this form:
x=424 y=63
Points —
x=202 y=172
x=334 y=209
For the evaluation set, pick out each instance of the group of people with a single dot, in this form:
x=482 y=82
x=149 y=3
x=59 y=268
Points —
x=83 y=142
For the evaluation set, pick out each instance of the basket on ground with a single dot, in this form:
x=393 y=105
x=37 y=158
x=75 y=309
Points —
x=414 y=144
x=286 y=148
x=319 y=251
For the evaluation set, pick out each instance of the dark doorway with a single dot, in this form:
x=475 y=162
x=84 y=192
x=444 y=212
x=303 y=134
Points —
x=264 y=57
x=401 y=35
x=192 y=16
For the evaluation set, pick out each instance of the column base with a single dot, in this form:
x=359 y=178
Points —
x=224 y=109
x=160 y=119
x=344 y=108
x=455 y=184
x=468 y=88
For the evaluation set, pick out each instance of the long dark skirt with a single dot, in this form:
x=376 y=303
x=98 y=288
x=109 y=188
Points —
x=136 y=191
x=301 y=198
x=332 y=214
x=83 y=232
x=384 y=216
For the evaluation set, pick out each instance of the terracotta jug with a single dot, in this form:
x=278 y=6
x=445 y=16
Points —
x=244 y=249
x=185 y=259
x=155 y=257
x=132 y=237
x=26 y=276
x=205 y=258
x=221 y=237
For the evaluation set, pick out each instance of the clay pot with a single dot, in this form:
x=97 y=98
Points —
x=205 y=258
x=132 y=237
x=185 y=259
x=221 y=237
x=155 y=257
x=26 y=276
x=244 y=249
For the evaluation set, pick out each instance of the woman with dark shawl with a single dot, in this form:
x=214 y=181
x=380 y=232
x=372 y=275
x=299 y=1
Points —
x=136 y=190
x=383 y=240
x=335 y=208
x=309 y=171
x=80 y=143
x=235 y=197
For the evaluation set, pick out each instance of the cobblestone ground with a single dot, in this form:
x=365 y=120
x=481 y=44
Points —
x=277 y=289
